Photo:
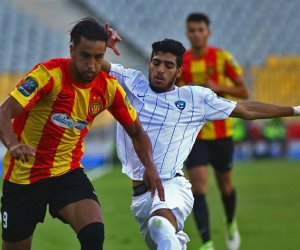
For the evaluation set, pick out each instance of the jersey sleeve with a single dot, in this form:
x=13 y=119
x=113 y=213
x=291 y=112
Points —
x=215 y=107
x=122 y=74
x=33 y=87
x=119 y=105
x=232 y=67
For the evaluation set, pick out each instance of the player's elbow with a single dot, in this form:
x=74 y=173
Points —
x=241 y=111
x=245 y=94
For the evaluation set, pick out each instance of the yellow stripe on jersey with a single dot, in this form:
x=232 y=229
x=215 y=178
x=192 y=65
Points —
x=229 y=126
x=110 y=91
x=198 y=70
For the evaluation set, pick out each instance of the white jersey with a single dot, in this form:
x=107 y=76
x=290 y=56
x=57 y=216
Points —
x=171 y=119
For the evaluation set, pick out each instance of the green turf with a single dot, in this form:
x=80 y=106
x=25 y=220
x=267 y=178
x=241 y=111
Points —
x=268 y=211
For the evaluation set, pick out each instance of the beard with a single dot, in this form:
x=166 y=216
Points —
x=83 y=76
x=167 y=88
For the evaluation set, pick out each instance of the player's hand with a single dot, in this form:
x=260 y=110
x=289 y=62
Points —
x=211 y=85
x=153 y=182
x=114 y=38
x=22 y=152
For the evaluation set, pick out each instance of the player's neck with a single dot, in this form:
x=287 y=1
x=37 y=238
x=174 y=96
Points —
x=199 y=51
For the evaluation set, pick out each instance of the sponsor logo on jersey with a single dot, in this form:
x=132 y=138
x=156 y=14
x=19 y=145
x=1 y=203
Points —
x=27 y=87
x=66 y=121
x=180 y=105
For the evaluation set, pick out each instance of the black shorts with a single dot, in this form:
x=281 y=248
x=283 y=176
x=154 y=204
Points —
x=218 y=153
x=23 y=206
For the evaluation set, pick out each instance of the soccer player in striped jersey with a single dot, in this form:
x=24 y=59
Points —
x=52 y=109
x=173 y=117
x=212 y=67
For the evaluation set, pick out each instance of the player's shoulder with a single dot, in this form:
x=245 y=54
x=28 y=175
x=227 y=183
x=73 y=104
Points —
x=187 y=55
x=194 y=90
x=105 y=81
x=56 y=63
x=104 y=75
x=220 y=51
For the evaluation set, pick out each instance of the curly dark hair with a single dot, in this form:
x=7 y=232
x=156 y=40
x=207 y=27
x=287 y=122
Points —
x=169 y=46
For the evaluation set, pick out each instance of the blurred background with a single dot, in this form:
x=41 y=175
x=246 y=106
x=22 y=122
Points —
x=263 y=36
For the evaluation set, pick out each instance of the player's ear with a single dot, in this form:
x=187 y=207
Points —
x=72 y=50
x=209 y=32
x=179 y=72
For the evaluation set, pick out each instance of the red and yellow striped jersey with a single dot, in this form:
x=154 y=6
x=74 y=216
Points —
x=58 y=114
x=218 y=65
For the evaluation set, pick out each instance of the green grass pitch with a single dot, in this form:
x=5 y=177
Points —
x=268 y=211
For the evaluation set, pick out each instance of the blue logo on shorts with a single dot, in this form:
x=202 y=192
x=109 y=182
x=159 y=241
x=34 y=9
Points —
x=27 y=87
x=180 y=105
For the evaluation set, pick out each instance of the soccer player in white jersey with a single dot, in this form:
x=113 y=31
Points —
x=172 y=116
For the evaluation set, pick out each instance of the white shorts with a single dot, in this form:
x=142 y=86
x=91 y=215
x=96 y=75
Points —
x=178 y=198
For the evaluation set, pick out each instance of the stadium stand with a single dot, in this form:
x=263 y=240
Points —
x=251 y=30
x=280 y=73
x=25 y=41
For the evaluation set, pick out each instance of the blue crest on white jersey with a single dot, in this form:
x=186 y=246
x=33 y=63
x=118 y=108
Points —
x=180 y=105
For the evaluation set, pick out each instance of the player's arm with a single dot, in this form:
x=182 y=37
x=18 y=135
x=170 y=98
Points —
x=234 y=72
x=143 y=149
x=250 y=110
x=238 y=89
x=10 y=109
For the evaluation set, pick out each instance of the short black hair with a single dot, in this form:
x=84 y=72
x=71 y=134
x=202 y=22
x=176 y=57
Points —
x=90 y=29
x=169 y=46
x=198 y=17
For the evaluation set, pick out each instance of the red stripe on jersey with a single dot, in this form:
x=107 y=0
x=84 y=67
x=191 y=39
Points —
x=18 y=125
x=50 y=139
x=220 y=128
x=187 y=76
x=77 y=152
x=121 y=113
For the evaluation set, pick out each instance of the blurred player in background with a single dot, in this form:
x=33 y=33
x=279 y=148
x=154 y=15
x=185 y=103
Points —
x=172 y=116
x=212 y=67
x=52 y=109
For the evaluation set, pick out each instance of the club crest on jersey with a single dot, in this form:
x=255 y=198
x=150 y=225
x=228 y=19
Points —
x=211 y=70
x=27 y=87
x=95 y=108
x=66 y=121
x=180 y=105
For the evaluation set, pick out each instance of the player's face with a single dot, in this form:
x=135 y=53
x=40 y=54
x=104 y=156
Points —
x=87 y=57
x=198 y=34
x=163 y=72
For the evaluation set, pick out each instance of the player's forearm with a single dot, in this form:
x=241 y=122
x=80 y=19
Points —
x=143 y=149
x=106 y=66
x=141 y=142
x=235 y=91
x=251 y=110
x=7 y=135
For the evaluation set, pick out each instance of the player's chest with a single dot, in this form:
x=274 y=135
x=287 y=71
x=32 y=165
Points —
x=199 y=71
x=78 y=104
x=156 y=109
